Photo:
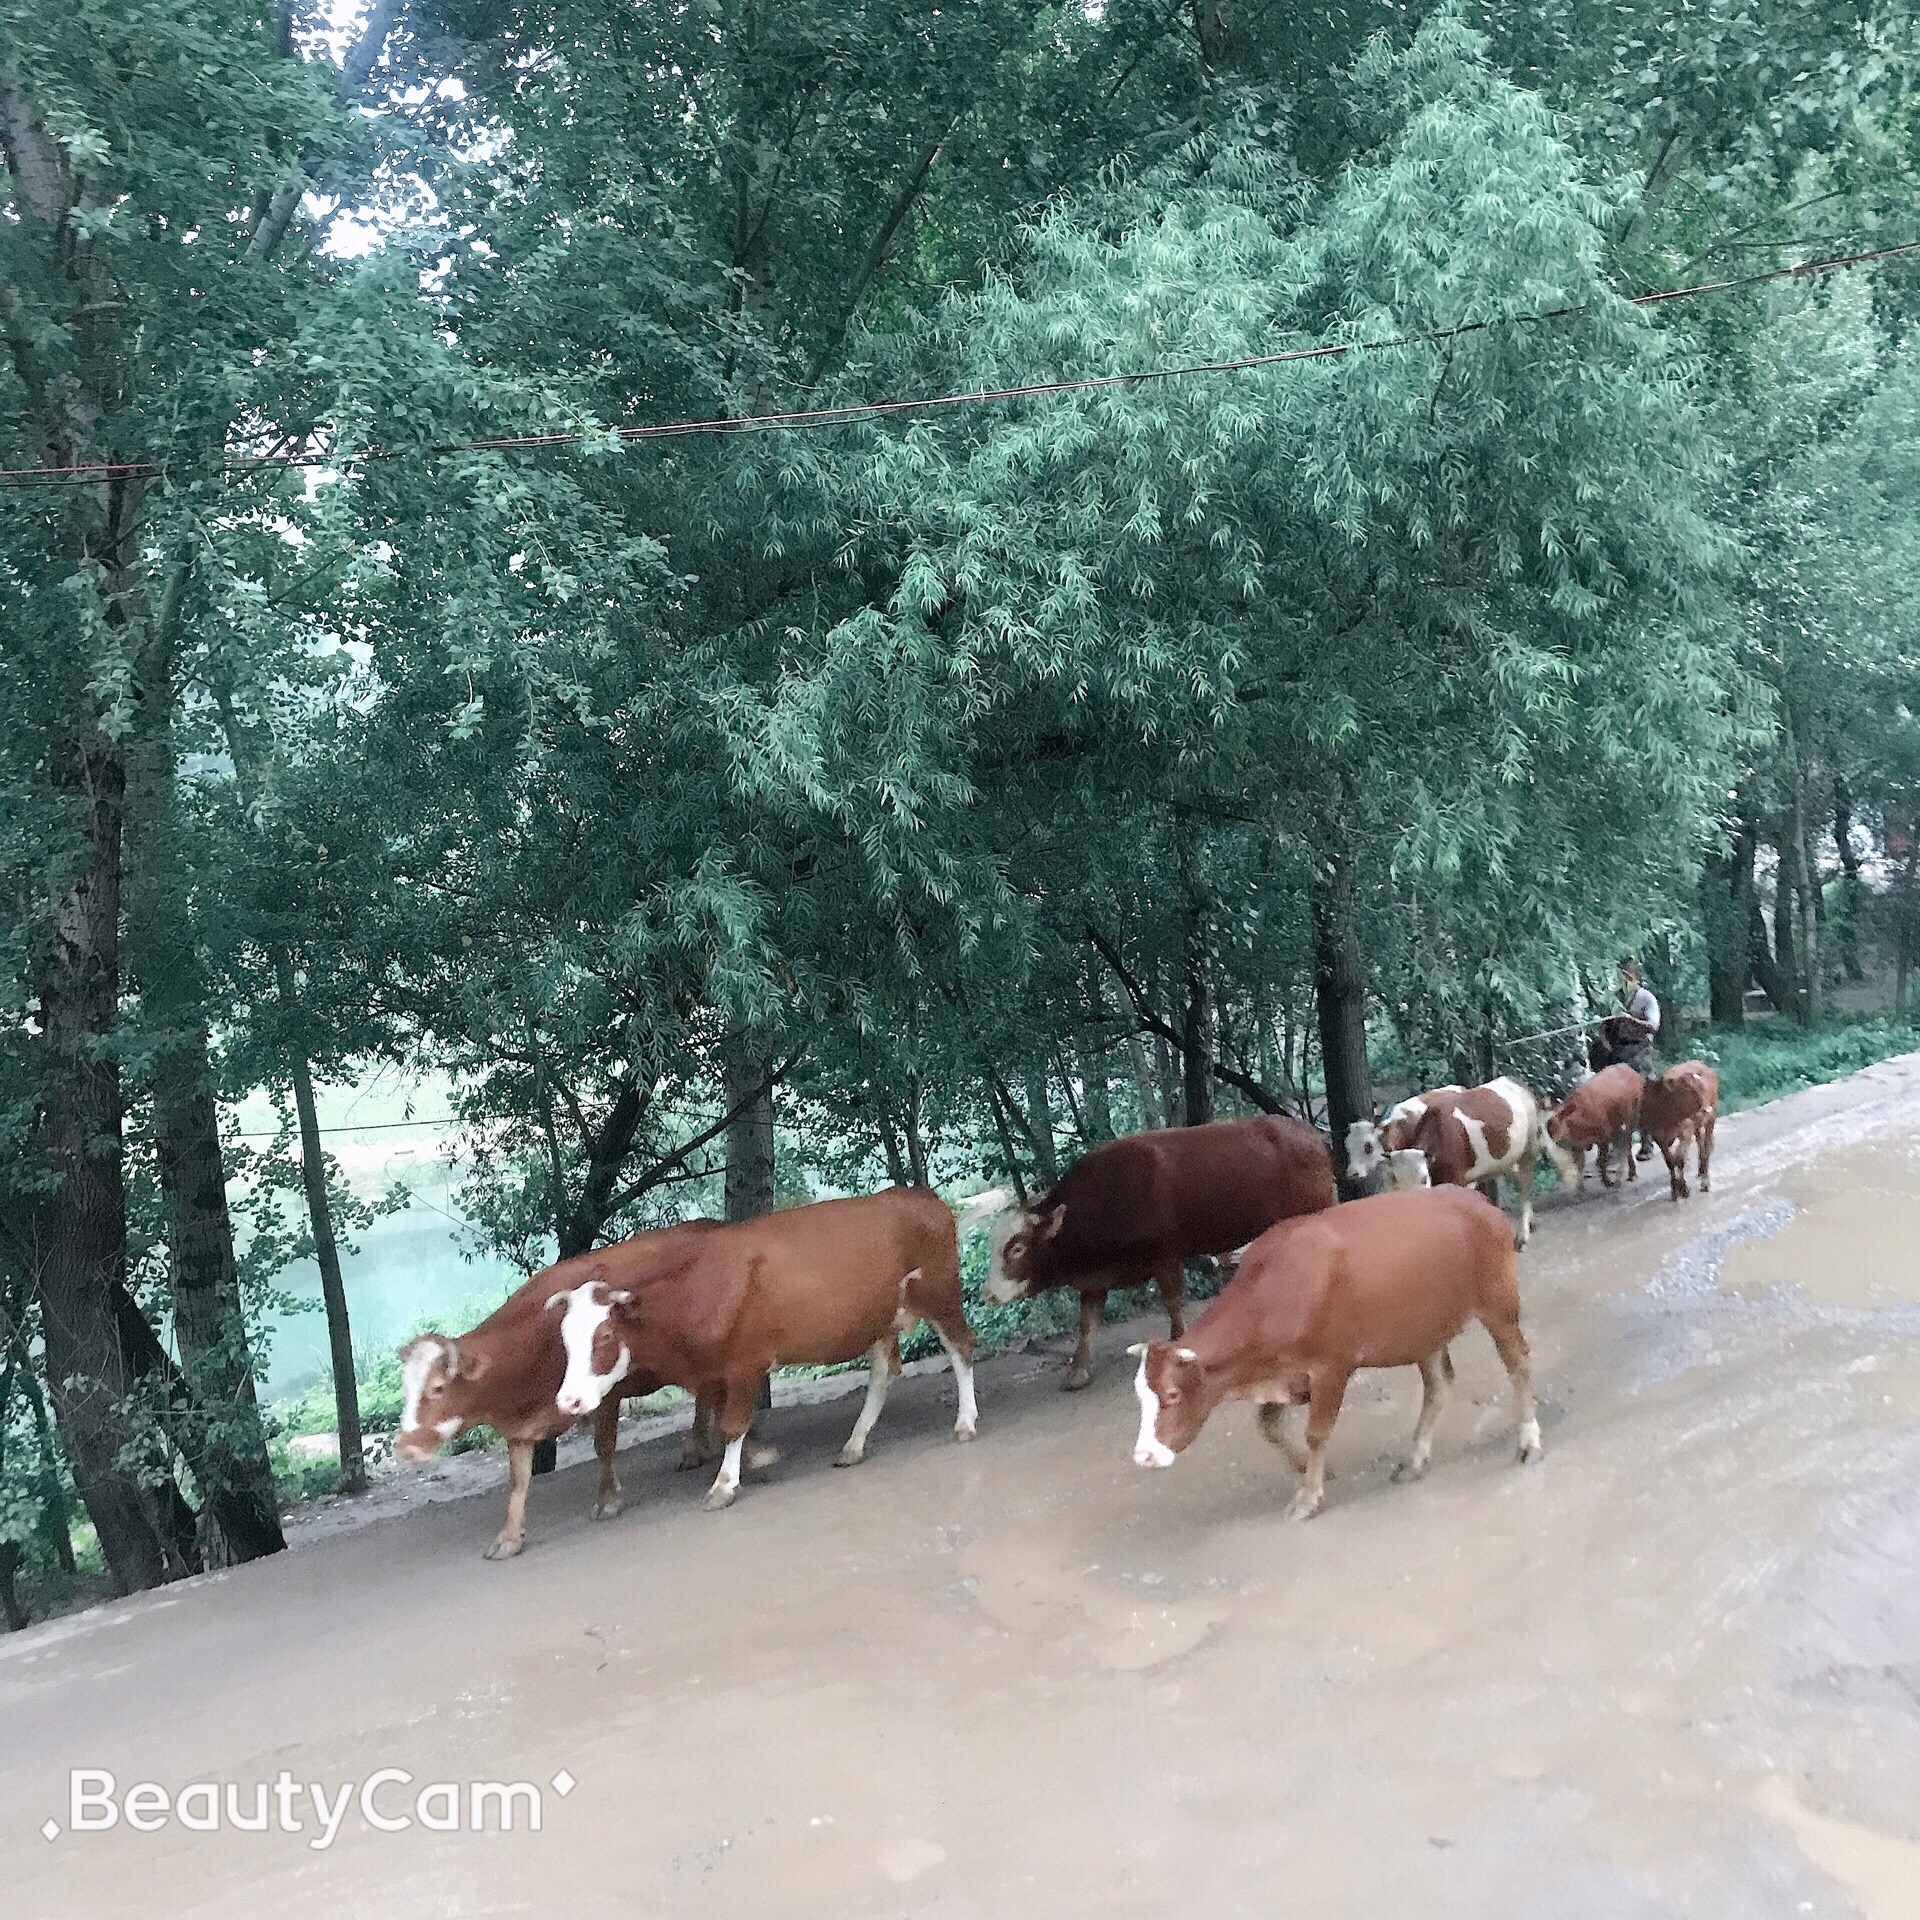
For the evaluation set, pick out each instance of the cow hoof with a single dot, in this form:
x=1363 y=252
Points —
x=718 y=1499
x=964 y=1430
x=1303 y=1506
x=504 y=1549
x=1530 y=1447
x=1077 y=1377
x=608 y=1509
x=1706 y=1185
x=846 y=1457
x=758 y=1456
x=1411 y=1469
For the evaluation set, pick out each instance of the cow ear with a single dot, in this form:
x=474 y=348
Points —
x=1052 y=1223
x=555 y=1300
x=621 y=1299
x=1188 y=1355
x=473 y=1365
x=1138 y=1350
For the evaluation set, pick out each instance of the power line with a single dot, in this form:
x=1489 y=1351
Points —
x=94 y=473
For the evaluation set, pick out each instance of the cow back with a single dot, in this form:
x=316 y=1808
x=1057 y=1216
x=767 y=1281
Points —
x=1183 y=1192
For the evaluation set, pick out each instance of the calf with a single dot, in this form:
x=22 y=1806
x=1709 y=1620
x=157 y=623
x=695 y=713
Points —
x=1601 y=1113
x=1457 y=1137
x=1679 y=1108
x=1383 y=1282
x=1138 y=1208
x=809 y=1287
x=505 y=1372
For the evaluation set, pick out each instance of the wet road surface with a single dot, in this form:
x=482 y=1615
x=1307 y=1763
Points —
x=1675 y=1670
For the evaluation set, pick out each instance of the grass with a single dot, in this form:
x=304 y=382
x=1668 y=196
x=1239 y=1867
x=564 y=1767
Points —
x=1769 y=1058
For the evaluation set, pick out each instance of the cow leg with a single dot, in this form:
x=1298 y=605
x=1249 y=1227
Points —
x=1435 y=1377
x=1172 y=1282
x=606 y=1438
x=1626 y=1154
x=1676 y=1159
x=1602 y=1158
x=513 y=1536
x=1706 y=1152
x=1511 y=1344
x=703 y=1446
x=1323 y=1409
x=1523 y=1179
x=735 y=1416
x=967 y=1420
x=1080 y=1373
x=1273 y=1424
x=884 y=1360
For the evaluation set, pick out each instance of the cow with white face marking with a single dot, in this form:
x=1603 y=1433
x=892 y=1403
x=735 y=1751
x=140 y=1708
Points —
x=1138 y=1208
x=810 y=1286
x=1371 y=1144
x=1458 y=1137
x=505 y=1372
x=1384 y=1282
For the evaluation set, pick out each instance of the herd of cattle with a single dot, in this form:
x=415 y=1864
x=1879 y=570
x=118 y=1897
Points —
x=1320 y=1289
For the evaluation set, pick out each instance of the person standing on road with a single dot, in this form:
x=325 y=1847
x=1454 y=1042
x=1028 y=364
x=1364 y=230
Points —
x=1637 y=1024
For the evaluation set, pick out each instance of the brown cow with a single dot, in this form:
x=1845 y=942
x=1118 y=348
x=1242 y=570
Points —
x=1383 y=1282
x=1456 y=1137
x=808 y=1287
x=1679 y=1108
x=505 y=1372
x=1138 y=1208
x=1602 y=1113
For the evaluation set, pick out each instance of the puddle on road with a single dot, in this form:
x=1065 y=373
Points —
x=1855 y=1239
x=1879 y=1870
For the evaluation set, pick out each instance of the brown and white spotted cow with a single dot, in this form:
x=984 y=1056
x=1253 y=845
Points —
x=505 y=1372
x=1601 y=1112
x=1678 y=1109
x=1138 y=1208
x=1383 y=1282
x=1456 y=1137
x=810 y=1286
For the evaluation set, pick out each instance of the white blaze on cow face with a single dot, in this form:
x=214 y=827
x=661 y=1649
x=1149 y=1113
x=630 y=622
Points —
x=1364 y=1151
x=1407 y=1170
x=425 y=1365
x=1000 y=1287
x=585 y=1311
x=1147 y=1450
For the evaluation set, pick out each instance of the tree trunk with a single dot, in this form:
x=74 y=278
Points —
x=1774 y=975
x=78 y=979
x=1852 y=891
x=1726 y=890
x=1173 y=1106
x=208 y=1316
x=1196 y=1079
x=326 y=1253
x=1040 y=1126
x=1152 y=1115
x=1804 y=892
x=1096 y=1100
x=1341 y=1003
x=916 y=1140
x=1907 y=914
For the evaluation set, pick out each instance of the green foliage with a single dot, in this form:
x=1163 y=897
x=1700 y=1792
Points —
x=1769 y=1060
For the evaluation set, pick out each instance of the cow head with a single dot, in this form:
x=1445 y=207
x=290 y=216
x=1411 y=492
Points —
x=1407 y=1170
x=1364 y=1151
x=1175 y=1398
x=1552 y=1138
x=1011 y=1243
x=436 y=1374
x=593 y=1332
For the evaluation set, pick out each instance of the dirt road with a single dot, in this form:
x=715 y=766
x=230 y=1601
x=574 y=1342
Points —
x=1673 y=1671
